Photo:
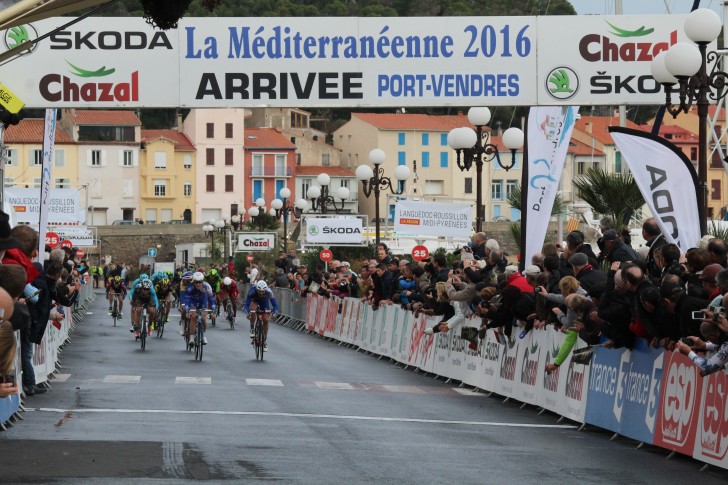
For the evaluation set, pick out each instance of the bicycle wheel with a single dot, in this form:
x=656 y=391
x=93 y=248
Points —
x=143 y=331
x=198 y=342
x=229 y=312
x=187 y=333
x=161 y=317
x=115 y=311
x=258 y=340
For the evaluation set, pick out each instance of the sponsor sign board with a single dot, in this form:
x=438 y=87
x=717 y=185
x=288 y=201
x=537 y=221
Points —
x=255 y=241
x=433 y=219
x=63 y=207
x=333 y=230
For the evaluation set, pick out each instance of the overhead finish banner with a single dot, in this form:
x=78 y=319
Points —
x=347 y=61
x=333 y=230
x=417 y=218
x=549 y=133
x=663 y=174
x=63 y=206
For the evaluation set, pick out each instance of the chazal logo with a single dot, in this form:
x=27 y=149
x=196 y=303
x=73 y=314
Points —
x=529 y=366
x=56 y=87
x=15 y=36
x=562 y=82
x=630 y=33
x=313 y=230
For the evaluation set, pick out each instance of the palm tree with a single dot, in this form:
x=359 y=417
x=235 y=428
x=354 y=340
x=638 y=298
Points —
x=611 y=194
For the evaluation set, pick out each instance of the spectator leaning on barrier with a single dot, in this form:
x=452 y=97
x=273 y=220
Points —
x=718 y=251
x=654 y=239
x=587 y=274
x=707 y=277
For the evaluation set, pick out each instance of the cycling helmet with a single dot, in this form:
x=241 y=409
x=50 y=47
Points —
x=144 y=276
x=117 y=279
x=213 y=272
x=165 y=281
x=187 y=275
x=146 y=284
x=198 y=276
x=227 y=281
x=261 y=286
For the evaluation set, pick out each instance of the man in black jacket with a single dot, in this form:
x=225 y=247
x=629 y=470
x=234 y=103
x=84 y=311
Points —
x=654 y=239
x=613 y=315
x=616 y=250
x=587 y=275
x=682 y=306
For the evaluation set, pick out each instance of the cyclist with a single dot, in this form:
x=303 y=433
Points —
x=158 y=276
x=136 y=282
x=229 y=288
x=214 y=279
x=197 y=297
x=165 y=292
x=115 y=289
x=265 y=301
x=143 y=296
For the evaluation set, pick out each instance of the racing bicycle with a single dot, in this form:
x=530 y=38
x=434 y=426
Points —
x=199 y=335
x=143 y=328
x=115 y=315
x=258 y=340
x=229 y=313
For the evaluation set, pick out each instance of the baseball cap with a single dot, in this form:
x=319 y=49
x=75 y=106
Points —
x=610 y=235
x=532 y=270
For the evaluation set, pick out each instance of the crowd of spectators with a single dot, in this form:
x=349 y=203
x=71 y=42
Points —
x=33 y=292
x=609 y=297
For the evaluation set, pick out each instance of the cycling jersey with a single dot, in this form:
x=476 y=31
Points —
x=264 y=301
x=114 y=288
x=231 y=290
x=138 y=298
x=163 y=292
x=214 y=281
x=198 y=298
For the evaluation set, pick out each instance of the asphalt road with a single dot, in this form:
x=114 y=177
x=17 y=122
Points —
x=311 y=412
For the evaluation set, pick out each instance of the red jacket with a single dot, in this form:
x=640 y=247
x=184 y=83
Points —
x=520 y=282
x=16 y=256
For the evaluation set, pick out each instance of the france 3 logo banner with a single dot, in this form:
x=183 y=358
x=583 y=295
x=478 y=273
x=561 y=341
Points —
x=667 y=180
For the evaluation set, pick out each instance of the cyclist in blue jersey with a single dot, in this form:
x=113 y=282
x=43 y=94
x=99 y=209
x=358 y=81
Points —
x=197 y=297
x=265 y=302
x=143 y=296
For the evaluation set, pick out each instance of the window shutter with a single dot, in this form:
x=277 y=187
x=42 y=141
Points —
x=121 y=158
x=103 y=158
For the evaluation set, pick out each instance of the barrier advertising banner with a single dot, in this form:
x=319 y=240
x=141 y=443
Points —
x=255 y=241
x=333 y=230
x=711 y=444
x=433 y=219
x=349 y=61
x=63 y=206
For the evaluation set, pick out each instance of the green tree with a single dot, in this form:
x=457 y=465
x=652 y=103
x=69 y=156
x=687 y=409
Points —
x=610 y=194
x=514 y=198
x=270 y=223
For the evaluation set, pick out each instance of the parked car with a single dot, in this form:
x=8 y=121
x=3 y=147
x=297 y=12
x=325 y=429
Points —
x=178 y=221
x=120 y=222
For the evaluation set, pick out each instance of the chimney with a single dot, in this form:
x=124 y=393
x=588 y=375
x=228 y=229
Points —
x=180 y=124
x=588 y=127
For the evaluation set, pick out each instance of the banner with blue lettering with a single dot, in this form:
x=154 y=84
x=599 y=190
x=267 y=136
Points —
x=602 y=409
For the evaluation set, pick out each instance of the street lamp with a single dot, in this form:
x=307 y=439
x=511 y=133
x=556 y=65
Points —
x=221 y=227
x=284 y=207
x=474 y=147
x=320 y=198
x=687 y=64
x=257 y=213
x=375 y=181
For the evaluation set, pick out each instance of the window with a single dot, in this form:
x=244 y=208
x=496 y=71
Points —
x=468 y=185
x=63 y=183
x=210 y=156
x=298 y=159
x=107 y=133
x=345 y=183
x=279 y=185
x=425 y=139
x=715 y=189
x=210 y=130
x=9 y=181
x=305 y=184
x=257 y=165
x=325 y=160
x=618 y=162
x=228 y=183
x=160 y=187
x=580 y=168
x=127 y=158
x=443 y=139
x=443 y=159
x=401 y=158
x=425 y=159
x=400 y=139
x=433 y=187
x=11 y=156
x=166 y=215
x=187 y=189
x=228 y=130
x=160 y=160
x=280 y=169
x=210 y=183
x=95 y=158
x=510 y=187
x=496 y=190
x=715 y=160
x=150 y=216
x=188 y=162
x=36 y=182
x=59 y=158
x=693 y=153
x=36 y=157
x=257 y=189
x=228 y=156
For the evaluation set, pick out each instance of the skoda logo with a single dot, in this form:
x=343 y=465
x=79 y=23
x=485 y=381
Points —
x=562 y=83
x=313 y=230
x=15 y=36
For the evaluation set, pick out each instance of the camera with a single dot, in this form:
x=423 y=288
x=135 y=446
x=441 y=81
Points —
x=537 y=289
x=718 y=311
x=698 y=315
x=687 y=341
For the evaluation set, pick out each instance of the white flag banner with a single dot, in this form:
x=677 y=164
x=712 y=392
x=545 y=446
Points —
x=49 y=141
x=433 y=219
x=663 y=172
x=333 y=230
x=549 y=132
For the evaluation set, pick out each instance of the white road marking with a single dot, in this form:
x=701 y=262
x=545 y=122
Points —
x=409 y=389
x=264 y=382
x=61 y=377
x=334 y=385
x=123 y=379
x=468 y=392
x=299 y=415
x=193 y=380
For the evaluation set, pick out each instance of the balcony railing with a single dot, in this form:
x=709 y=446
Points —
x=270 y=172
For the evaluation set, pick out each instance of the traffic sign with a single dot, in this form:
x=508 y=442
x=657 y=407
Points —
x=80 y=253
x=249 y=258
x=326 y=255
x=52 y=240
x=420 y=252
x=152 y=252
x=66 y=244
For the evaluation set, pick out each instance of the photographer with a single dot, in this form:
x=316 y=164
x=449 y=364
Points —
x=688 y=346
x=459 y=292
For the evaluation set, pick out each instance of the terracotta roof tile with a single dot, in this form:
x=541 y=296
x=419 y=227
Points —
x=103 y=117
x=31 y=131
x=316 y=170
x=180 y=140
x=424 y=122
x=267 y=138
x=577 y=147
x=600 y=126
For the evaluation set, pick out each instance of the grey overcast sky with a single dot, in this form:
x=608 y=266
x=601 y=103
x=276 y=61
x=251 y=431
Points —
x=635 y=7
